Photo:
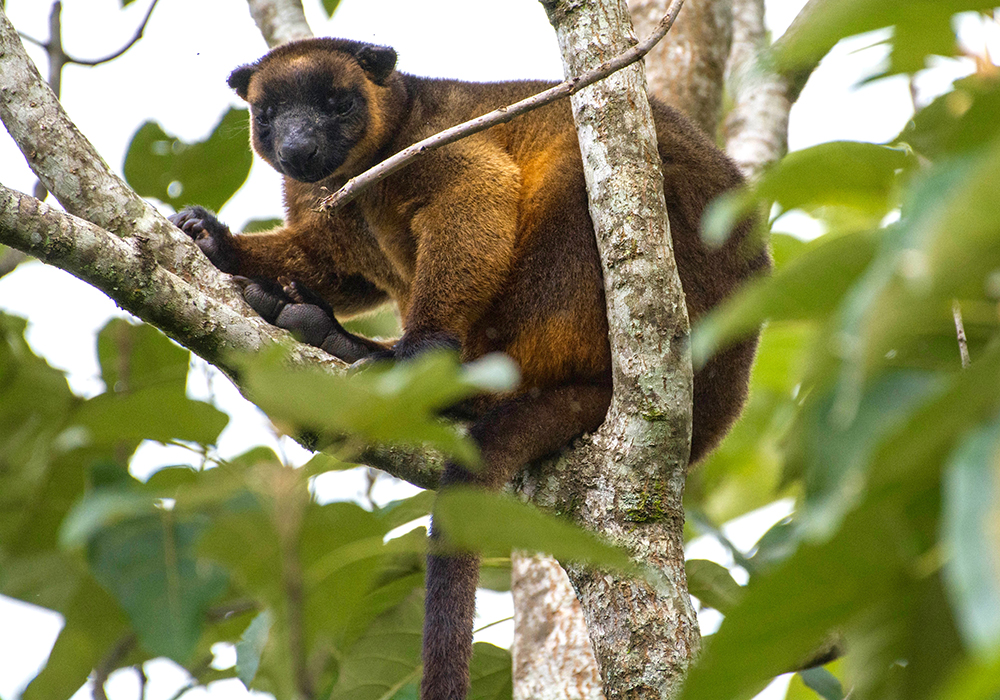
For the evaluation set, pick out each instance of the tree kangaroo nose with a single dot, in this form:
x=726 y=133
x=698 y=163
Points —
x=298 y=154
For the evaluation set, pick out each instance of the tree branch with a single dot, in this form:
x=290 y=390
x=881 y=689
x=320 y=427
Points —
x=644 y=637
x=110 y=57
x=130 y=251
x=756 y=128
x=553 y=656
x=685 y=71
x=280 y=21
x=356 y=185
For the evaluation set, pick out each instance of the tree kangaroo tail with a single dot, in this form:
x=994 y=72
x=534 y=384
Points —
x=449 y=610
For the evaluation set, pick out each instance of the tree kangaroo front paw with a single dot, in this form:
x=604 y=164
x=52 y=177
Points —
x=212 y=236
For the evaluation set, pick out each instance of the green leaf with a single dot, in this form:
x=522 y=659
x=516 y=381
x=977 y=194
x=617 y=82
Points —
x=135 y=356
x=787 y=613
x=100 y=510
x=971 y=505
x=809 y=287
x=490 y=673
x=35 y=402
x=833 y=454
x=712 y=584
x=94 y=625
x=398 y=404
x=330 y=6
x=961 y=120
x=859 y=176
x=261 y=225
x=494 y=525
x=149 y=565
x=162 y=166
x=158 y=413
x=974 y=680
x=826 y=685
x=386 y=658
x=922 y=28
x=251 y=646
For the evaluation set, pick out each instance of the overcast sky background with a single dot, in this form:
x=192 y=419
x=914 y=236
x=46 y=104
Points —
x=177 y=72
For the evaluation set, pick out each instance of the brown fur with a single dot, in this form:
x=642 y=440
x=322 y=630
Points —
x=487 y=242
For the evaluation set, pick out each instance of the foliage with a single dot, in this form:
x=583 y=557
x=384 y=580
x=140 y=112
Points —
x=141 y=570
x=860 y=410
x=860 y=405
x=162 y=166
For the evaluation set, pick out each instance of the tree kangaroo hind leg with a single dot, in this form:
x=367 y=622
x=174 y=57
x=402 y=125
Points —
x=510 y=436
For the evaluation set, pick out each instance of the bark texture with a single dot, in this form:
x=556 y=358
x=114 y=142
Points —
x=553 y=657
x=685 y=70
x=756 y=128
x=627 y=480
x=280 y=21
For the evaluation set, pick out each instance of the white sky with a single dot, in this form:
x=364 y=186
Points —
x=178 y=71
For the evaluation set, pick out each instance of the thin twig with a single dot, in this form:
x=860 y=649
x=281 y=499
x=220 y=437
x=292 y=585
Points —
x=963 y=344
x=119 y=52
x=109 y=663
x=353 y=187
x=143 y=680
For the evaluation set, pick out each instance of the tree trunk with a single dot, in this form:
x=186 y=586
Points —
x=686 y=69
x=644 y=636
x=756 y=129
x=553 y=657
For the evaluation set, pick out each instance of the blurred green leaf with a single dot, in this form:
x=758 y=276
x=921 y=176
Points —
x=158 y=413
x=712 y=584
x=969 y=532
x=381 y=323
x=94 y=624
x=922 y=28
x=787 y=613
x=832 y=452
x=395 y=404
x=101 y=510
x=961 y=120
x=809 y=287
x=974 y=680
x=490 y=673
x=494 y=525
x=149 y=565
x=260 y=225
x=386 y=658
x=330 y=6
x=774 y=546
x=824 y=683
x=35 y=402
x=162 y=166
x=785 y=248
x=860 y=176
x=135 y=356
x=251 y=646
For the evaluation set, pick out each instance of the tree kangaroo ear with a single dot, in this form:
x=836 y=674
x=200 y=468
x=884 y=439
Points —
x=239 y=80
x=378 y=61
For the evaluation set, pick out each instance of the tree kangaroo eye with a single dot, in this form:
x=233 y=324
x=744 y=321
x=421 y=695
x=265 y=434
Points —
x=264 y=115
x=342 y=105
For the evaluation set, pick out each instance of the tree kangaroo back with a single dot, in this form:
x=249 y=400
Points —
x=484 y=245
